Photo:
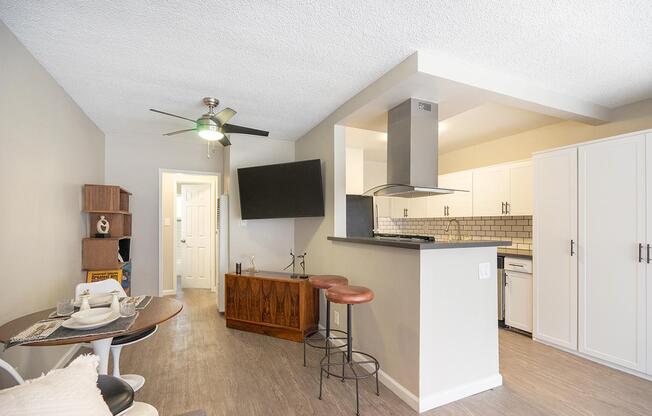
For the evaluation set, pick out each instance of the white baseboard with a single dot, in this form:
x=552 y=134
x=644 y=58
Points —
x=460 y=392
x=65 y=358
x=394 y=386
x=636 y=373
x=168 y=292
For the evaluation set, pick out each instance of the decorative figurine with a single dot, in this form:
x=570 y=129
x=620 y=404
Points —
x=292 y=263
x=102 y=228
x=303 y=274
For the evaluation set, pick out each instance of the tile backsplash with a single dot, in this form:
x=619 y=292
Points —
x=517 y=229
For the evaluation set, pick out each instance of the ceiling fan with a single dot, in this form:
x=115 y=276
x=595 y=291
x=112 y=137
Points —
x=213 y=126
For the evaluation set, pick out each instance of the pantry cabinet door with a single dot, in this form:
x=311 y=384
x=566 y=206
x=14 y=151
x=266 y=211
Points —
x=490 y=191
x=612 y=211
x=555 y=245
x=648 y=248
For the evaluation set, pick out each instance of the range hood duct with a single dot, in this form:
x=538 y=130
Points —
x=412 y=151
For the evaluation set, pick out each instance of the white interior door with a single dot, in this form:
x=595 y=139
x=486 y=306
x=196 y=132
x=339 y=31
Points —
x=555 y=263
x=611 y=226
x=648 y=249
x=518 y=301
x=196 y=235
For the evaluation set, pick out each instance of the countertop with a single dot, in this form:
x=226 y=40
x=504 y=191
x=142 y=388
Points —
x=512 y=252
x=419 y=245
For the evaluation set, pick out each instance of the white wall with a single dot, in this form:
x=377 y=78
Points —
x=48 y=149
x=269 y=240
x=133 y=162
x=375 y=173
x=354 y=171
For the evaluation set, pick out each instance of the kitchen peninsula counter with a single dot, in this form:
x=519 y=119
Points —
x=421 y=245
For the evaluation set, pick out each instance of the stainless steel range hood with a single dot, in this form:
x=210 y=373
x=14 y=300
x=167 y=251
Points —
x=412 y=151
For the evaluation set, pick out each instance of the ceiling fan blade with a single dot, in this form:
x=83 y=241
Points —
x=178 y=132
x=224 y=141
x=223 y=116
x=232 y=128
x=173 y=115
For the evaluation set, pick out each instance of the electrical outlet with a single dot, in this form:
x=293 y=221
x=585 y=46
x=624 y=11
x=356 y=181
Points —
x=337 y=318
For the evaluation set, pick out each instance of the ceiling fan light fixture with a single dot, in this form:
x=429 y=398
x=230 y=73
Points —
x=210 y=133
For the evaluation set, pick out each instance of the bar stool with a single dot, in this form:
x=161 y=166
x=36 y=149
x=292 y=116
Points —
x=351 y=368
x=315 y=339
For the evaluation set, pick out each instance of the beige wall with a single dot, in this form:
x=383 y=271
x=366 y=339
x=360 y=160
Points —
x=169 y=184
x=630 y=118
x=48 y=149
x=134 y=161
x=269 y=240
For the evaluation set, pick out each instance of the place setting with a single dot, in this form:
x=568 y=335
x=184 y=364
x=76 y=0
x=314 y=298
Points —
x=90 y=315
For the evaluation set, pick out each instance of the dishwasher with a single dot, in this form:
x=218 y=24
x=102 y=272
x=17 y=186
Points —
x=518 y=293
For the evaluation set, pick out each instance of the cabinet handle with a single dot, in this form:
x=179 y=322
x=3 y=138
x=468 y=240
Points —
x=640 y=252
x=648 y=254
x=507 y=208
x=502 y=208
x=572 y=248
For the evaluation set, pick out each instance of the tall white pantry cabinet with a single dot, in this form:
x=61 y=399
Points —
x=592 y=237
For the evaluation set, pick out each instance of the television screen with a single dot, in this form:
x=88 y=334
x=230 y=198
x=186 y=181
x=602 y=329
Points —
x=286 y=190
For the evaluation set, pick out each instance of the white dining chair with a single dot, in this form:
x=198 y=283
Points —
x=104 y=287
x=118 y=395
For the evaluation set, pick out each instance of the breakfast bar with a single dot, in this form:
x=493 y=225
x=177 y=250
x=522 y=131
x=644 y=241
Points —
x=433 y=323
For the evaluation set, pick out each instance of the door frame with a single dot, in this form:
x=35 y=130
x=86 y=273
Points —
x=215 y=242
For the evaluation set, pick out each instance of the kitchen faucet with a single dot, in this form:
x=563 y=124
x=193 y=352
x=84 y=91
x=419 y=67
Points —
x=448 y=226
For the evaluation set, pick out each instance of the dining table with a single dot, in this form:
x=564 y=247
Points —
x=159 y=310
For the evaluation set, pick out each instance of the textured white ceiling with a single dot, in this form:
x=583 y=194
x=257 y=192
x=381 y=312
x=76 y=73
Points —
x=286 y=65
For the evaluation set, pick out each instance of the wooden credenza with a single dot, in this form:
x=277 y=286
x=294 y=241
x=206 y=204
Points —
x=271 y=303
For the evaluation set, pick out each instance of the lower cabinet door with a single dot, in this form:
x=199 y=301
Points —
x=518 y=301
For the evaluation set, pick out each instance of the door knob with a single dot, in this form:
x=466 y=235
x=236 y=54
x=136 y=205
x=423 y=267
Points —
x=183 y=241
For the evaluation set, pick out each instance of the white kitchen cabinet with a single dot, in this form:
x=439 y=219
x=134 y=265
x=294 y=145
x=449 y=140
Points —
x=555 y=245
x=383 y=208
x=612 y=214
x=436 y=206
x=490 y=191
x=647 y=248
x=518 y=301
x=460 y=204
x=398 y=207
x=520 y=189
x=417 y=207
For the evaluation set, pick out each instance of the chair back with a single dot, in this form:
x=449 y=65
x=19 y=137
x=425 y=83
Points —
x=101 y=287
x=12 y=371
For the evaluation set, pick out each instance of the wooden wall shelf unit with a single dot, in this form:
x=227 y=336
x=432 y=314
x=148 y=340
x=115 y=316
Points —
x=271 y=303
x=102 y=253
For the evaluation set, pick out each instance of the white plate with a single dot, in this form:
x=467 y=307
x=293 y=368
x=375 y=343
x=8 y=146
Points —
x=72 y=324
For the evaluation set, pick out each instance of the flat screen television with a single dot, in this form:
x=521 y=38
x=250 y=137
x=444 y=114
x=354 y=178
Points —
x=286 y=190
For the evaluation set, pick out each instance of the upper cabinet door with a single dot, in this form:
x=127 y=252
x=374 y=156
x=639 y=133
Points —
x=383 y=208
x=460 y=204
x=555 y=245
x=436 y=205
x=417 y=207
x=490 y=191
x=612 y=211
x=520 y=189
x=398 y=207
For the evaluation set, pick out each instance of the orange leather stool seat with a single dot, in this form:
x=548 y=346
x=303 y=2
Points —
x=349 y=295
x=327 y=281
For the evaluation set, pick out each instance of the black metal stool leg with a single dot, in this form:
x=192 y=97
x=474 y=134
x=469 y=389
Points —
x=321 y=380
x=377 y=386
x=357 y=399
x=343 y=364
x=304 y=352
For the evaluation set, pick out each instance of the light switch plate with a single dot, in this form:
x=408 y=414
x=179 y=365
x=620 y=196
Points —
x=484 y=270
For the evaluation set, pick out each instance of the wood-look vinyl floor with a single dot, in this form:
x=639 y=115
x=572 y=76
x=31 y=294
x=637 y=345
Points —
x=195 y=362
